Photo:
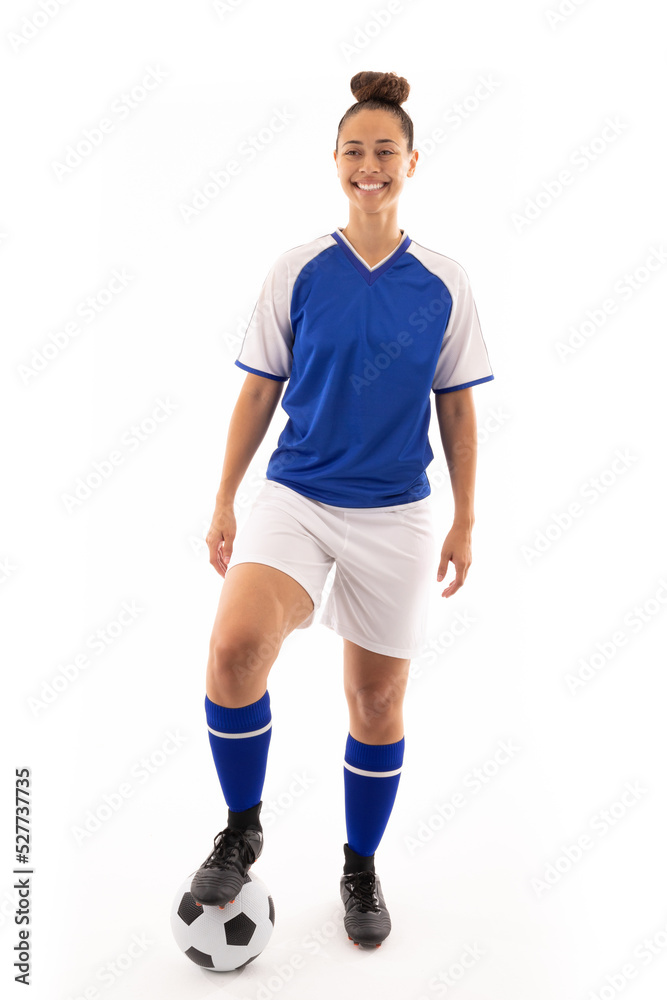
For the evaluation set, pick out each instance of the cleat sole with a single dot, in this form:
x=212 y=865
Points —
x=357 y=944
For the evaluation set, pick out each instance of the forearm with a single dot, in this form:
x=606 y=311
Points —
x=459 y=442
x=248 y=425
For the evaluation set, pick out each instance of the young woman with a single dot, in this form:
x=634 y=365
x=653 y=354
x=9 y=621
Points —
x=363 y=323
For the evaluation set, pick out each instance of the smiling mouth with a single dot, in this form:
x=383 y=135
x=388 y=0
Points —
x=370 y=188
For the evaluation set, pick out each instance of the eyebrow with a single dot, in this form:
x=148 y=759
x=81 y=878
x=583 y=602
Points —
x=358 y=142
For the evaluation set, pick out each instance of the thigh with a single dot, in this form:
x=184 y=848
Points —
x=289 y=533
x=369 y=674
x=380 y=594
x=258 y=607
x=259 y=603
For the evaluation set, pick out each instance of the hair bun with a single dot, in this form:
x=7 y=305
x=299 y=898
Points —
x=368 y=85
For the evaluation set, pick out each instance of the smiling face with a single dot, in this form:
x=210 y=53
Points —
x=373 y=161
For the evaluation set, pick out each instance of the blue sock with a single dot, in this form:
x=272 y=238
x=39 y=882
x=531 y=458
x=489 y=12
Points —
x=239 y=739
x=371 y=776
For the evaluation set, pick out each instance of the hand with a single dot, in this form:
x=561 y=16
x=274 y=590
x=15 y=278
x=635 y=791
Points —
x=220 y=538
x=457 y=548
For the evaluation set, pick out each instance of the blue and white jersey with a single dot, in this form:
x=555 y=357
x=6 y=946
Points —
x=362 y=347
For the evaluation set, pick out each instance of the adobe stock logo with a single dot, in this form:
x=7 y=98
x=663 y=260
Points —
x=581 y=158
x=381 y=361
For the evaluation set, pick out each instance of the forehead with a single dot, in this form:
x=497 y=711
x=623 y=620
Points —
x=370 y=126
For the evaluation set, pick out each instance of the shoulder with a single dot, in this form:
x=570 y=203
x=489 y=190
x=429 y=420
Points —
x=296 y=258
x=446 y=268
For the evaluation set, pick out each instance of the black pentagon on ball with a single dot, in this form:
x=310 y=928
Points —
x=188 y=910
x=240 y=929
x=199 y=958
x=272 y=911
x=247 y=962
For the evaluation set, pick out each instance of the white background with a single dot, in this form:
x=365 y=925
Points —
x=550 y=430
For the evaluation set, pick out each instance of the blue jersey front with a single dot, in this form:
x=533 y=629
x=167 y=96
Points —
x=362 y=348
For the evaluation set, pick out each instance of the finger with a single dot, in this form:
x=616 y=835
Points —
x=216 y=560
x=456 y=583
x=442 y=569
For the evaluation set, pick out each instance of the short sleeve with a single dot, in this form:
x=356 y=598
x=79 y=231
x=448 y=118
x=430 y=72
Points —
x=463 y=358
x=267 y=345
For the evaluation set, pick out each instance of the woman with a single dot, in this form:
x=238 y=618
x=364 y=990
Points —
x=363 y=323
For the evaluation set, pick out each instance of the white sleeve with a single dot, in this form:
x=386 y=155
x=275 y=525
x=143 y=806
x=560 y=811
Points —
x=463 y=358
x=267 y=344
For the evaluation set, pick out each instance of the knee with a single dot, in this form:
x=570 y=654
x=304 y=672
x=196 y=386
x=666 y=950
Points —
x=239 y=659
x=375 y=704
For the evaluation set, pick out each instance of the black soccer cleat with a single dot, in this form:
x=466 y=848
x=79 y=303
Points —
x=366 y=920
x=221 y=877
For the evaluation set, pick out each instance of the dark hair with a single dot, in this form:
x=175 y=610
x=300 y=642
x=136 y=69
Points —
x=380 y=91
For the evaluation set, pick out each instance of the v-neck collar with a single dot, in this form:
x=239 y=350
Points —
x=371 y=274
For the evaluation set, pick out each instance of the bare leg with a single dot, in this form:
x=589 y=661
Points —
x=259 y=606
x=375 y=686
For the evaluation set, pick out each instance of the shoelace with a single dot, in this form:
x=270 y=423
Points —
x=229 y=845
x=361 y=885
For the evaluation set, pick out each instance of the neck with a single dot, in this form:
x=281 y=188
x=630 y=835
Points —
x=373 y=236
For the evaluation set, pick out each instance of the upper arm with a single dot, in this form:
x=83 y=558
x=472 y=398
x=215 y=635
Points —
x=266 y=349
x=453 y=404
x=267 y=390
x=463 y=360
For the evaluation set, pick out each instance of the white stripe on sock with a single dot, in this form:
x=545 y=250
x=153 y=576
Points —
x=372 y=774
x=240 y=736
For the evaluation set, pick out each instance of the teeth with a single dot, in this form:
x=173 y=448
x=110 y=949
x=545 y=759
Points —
x=371 y=187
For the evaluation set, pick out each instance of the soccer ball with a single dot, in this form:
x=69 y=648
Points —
x=223 y=939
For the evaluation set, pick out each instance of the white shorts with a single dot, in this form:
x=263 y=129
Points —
x=385 y=559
